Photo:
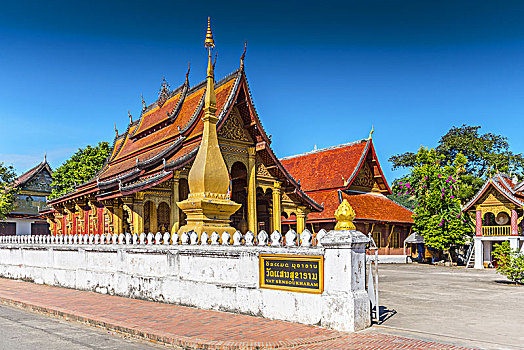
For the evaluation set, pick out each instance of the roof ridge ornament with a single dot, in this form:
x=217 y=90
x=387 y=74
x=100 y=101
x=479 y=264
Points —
x=243 y=55
x=209 y=43
x=130 y=117
x=164 y=92
x=371 y=132
x=143 y=102
x=116 y=130
x=187 y=74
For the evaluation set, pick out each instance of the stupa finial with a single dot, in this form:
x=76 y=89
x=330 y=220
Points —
x=209 y=43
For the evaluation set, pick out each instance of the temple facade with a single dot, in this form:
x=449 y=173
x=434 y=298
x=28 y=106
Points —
x=352 y=172
x=497 y=209
x=33 y=188
x=151 y=172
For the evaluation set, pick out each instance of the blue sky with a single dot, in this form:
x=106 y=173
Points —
x=321 y=73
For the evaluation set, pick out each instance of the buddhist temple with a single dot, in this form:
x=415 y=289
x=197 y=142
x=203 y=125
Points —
x=350 y=172
x=497 y=209
x=33 y=188
x=198 y=158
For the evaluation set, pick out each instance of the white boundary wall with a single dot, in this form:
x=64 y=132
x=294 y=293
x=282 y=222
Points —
x=215 y=277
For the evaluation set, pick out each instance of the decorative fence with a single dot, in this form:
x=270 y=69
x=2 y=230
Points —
x=290 y=239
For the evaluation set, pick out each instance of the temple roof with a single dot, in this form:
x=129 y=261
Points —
x=31 y=173
x=505 y=185
x=167 y=135
x=335 y=167
x=368 y=206
x=327 y=176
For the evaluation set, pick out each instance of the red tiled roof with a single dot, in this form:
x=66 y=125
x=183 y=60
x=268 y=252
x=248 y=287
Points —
x=367 y=206
x=326 y=168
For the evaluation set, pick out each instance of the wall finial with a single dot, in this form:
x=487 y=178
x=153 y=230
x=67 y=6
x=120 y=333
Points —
x=345 y=216
x=243 y=55
x=370 y=133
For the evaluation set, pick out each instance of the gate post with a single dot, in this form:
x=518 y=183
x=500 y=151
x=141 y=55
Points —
x=345 y=301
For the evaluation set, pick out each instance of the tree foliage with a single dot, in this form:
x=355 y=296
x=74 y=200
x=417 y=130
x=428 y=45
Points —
x=434 y=183
x=8 y=191
x=510 y=262
x=81 y=167
x=486 y=154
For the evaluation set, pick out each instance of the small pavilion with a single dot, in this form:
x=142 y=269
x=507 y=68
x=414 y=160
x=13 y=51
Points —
x=498 y=209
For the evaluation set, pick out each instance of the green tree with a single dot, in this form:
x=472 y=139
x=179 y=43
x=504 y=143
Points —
x=434 y=183
x=510 y=263
x=486 y=154
x=8 y=190
x=81 y=167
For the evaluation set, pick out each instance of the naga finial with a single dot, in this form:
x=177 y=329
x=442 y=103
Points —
x=243 y=55
x=345 y=216
x=187 y=74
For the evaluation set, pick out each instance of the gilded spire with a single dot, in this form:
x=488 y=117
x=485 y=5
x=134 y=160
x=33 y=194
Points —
x=210 y=98
x=209 y=43
x=370 y=133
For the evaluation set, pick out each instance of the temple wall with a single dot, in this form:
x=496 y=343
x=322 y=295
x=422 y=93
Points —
x=215 y=277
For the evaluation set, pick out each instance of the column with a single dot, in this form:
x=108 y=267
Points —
x=301 y=219
x=153 y=224
x=252 y=192
x=175 y=197
x=118 y=215
x=277 y=190
x=138 y=217
x=478 y=223
x=479 y=253
x=514 y=226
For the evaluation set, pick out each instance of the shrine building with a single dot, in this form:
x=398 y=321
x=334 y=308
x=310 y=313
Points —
x=350 y=171
x=33 y=188
x=196 y=158
x=498 y=209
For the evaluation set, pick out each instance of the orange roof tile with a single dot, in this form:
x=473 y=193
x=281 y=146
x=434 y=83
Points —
x=367 y=206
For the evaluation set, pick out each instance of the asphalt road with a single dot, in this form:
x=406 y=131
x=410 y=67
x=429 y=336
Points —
x=477 y=307
x=22 y=330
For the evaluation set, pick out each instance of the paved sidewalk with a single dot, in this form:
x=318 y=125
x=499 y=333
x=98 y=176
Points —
x=191 y=328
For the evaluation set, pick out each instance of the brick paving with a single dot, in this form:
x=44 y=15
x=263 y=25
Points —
x=191 y=328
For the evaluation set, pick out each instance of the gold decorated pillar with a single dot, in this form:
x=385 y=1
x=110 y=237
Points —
x=301 y=219
x=277 y=206
x=153 y=222
x=175 y=197
x=118 y=215
x=208 y=207
x=138 y=215
x=252 y=192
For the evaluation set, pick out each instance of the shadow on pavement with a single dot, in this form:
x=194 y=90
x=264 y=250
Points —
x=385 y=314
